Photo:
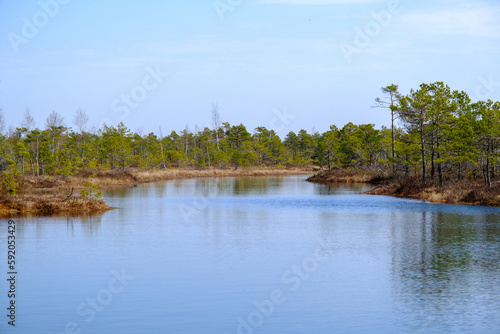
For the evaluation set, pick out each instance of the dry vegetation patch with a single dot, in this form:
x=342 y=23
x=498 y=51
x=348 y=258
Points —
x=373 y=176
x=49 y=204
x=473 y=192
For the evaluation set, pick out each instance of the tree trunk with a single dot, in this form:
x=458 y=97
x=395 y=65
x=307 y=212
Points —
x=488 y=177
x=37 y=158
x=217 y=138
x=393 y=144
x=440 y=172
x=83 y=148
x=422 y=143
x=433 y=167
x=161 y=153
x=440 y=167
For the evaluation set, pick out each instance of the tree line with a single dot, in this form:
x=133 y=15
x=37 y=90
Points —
x=436 y=132
x=443 y=132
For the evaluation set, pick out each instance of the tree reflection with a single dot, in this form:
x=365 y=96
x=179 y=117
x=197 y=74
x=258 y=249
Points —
x=445 y=261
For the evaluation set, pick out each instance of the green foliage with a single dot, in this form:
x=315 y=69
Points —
x=91 y=191
x=9 y=181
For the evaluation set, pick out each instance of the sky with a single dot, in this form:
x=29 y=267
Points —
x=283 y=64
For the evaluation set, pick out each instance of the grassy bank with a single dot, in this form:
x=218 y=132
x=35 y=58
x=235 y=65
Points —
x=471 y=192
x=47 y=204
x=373 y=176
x=129 y=177
x=49 y=194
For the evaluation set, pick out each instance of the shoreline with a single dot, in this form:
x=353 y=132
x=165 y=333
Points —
x=349 y=176
x=463 y=192
x=473 y=194
x=48 y=195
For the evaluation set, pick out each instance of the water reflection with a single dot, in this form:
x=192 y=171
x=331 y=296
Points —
x=90 y=225
x=216 y=187
x=342 y=188
x=32 y=215
x=444 y=262
x=396 y=265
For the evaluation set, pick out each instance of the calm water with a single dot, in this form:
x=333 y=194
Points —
x=257 y=255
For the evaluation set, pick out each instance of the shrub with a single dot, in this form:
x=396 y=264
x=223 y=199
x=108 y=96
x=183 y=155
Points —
x=9 y=181
x=91 y=191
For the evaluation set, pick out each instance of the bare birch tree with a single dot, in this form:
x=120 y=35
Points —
x=28 y=121
x=216 y=122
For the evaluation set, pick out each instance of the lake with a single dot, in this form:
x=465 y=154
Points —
x=257 y=255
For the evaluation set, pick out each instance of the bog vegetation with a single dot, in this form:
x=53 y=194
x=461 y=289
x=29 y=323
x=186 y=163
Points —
x=437 y=134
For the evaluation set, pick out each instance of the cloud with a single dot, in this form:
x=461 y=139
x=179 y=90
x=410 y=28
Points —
x=476 y=21
x=316 y=2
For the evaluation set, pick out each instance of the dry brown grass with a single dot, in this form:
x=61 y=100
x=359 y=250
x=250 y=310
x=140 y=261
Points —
x=103 y=179
x=170 y=174
x=49 y=204
x=472 y=192
x=113 y=178
x=373 y=176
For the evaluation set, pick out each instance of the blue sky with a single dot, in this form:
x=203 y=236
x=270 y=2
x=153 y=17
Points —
x=257 y=59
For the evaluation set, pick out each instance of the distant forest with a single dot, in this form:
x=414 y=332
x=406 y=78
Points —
x=436 y=132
